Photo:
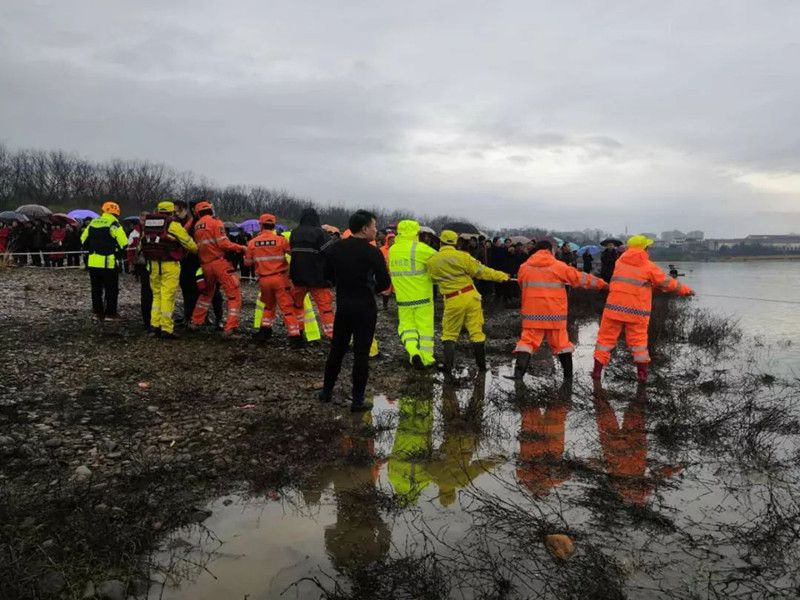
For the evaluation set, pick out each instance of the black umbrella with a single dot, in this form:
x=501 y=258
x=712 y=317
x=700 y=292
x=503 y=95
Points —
x=10 y=215
x=35 y=211
x=131 y=219
x=614 y=241
x=462 y=228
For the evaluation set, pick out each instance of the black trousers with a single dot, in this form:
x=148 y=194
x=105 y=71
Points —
x=105 y=290
x=188 y=283
x=355 y=319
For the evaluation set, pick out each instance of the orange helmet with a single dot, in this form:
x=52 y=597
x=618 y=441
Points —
x=111 y=207
x=203 y=205
x=267 y=218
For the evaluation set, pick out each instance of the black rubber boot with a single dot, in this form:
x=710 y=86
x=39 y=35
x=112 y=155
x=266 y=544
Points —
x=479 y=349
x=521 y=364
x=566 y=363
x=449 y=349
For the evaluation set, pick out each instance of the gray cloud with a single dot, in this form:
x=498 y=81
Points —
x=578 y=115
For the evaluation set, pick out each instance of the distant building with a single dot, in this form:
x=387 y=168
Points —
x=672 y=236
x=776 y=242
x=715 y=244
x=779 y=242
x=695 y=236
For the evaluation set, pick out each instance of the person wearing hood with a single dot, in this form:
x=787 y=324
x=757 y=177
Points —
x=542 y=280
x=628 y=306
x=307 y=269
x=453 y=271
x=413 y=287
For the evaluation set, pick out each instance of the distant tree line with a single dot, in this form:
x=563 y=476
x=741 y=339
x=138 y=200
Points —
x=63 y=181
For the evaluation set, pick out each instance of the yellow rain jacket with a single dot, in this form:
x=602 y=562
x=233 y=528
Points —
x=408 y=259
x=453 y=271
x=104 y=238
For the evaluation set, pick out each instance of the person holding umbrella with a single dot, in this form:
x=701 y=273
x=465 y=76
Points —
x=104 y=239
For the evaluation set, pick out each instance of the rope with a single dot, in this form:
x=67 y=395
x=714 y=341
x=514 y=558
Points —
x=751 y=298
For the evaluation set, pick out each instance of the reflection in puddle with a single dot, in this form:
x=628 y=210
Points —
x=455 y=488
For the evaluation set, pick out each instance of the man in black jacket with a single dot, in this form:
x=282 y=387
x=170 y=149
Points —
x=360 y=272
x=307 y=269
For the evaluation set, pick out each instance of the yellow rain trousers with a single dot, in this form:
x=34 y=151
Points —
x=164 y=283
x=464 y=310
x=413 y=287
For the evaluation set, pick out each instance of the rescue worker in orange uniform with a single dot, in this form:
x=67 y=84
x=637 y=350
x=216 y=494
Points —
x=267 y=254
x=628 y=305
x=212 y=244
x=542 y=280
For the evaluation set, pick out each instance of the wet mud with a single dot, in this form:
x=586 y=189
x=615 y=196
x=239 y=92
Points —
x=206 y=468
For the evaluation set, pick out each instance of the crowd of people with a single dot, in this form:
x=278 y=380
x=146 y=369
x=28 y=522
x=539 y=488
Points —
x=41 y=242
x=184 y=247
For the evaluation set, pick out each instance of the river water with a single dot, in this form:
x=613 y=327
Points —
x=476 y=474
x=762 y=296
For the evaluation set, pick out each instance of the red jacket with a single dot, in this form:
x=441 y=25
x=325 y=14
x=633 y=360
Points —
x=212 y=241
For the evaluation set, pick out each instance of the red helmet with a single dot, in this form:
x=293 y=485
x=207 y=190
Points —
x=267 y=218
x=203 y=205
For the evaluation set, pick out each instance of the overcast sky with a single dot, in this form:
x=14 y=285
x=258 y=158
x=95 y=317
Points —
x=634 y=114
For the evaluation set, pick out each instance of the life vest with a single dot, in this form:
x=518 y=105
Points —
x=156 y=242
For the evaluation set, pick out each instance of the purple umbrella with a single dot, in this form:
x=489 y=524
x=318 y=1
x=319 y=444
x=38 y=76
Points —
x=250 y=226
x=82 y=213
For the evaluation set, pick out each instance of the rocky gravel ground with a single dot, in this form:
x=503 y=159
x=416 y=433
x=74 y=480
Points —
x=109 y=437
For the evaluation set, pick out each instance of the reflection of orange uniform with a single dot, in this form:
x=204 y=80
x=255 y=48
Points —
x=542 y=279
x=541 y=448
x=625 y=449
x=212 y=243
x=267 y=251
x=629 y=301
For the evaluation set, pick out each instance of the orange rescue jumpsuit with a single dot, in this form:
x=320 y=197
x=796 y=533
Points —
x=267 y=251
x=542 y=279
x=629 y=302
x=212 y=243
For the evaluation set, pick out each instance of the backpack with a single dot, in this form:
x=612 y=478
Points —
x=156 y=242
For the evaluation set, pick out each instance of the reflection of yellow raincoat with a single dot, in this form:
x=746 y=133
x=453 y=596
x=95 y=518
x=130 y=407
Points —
x=462 y=431
x=411 y=452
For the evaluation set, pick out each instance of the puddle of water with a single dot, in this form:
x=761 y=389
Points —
x=475 y=475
